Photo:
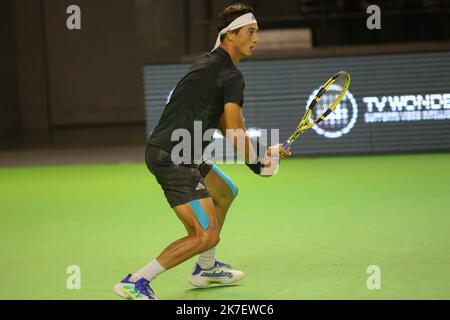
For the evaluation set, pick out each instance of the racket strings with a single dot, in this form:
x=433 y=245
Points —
x=330 y=101
x=328 y=105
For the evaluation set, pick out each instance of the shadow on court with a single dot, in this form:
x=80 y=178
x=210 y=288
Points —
x=212 y=288
x=205 y=293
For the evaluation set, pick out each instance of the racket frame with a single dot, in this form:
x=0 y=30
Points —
x=305 y=124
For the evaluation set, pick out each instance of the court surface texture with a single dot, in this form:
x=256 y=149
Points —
x=313 y=231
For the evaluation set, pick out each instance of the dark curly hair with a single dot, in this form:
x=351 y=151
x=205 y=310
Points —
x=231 y=13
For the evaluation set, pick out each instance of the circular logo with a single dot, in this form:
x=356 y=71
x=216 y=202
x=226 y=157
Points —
x=343 y=117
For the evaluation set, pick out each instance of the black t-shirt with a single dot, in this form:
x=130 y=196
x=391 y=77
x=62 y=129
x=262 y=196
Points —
x=212 y=81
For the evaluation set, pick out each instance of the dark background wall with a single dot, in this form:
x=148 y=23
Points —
x=176 y=31
x=9 y=113
x=61 y=86
x=94 y=74
x=32 y=80
x=168 y=30
x=160 y=26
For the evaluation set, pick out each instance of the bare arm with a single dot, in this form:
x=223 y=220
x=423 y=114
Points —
x=233 y=121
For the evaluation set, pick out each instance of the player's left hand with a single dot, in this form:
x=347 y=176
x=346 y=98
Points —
x=271 y=166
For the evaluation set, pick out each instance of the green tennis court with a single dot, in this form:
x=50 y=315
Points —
x=310 y=232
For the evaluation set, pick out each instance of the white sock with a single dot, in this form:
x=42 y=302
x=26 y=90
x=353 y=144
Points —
x=149 y=271
x=206 y=259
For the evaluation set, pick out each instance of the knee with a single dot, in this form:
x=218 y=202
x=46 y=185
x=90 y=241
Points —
x=208 y=240
x=212 y=238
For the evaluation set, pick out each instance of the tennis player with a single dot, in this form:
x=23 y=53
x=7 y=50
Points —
x=200 y=193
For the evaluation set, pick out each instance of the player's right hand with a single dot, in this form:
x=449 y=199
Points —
x=271 y=166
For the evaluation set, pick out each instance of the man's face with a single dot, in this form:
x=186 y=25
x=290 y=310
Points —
x=246 y=39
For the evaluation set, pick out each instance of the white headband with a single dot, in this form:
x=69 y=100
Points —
x=241 y=21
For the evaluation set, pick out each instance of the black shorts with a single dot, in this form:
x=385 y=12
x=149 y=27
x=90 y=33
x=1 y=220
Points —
x=180 y=183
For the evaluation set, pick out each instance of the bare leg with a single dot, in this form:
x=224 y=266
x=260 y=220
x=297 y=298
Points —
x=197 y=241
x=221 y=193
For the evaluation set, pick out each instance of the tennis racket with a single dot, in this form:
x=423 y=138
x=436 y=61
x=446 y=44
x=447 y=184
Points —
x=324 y=102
